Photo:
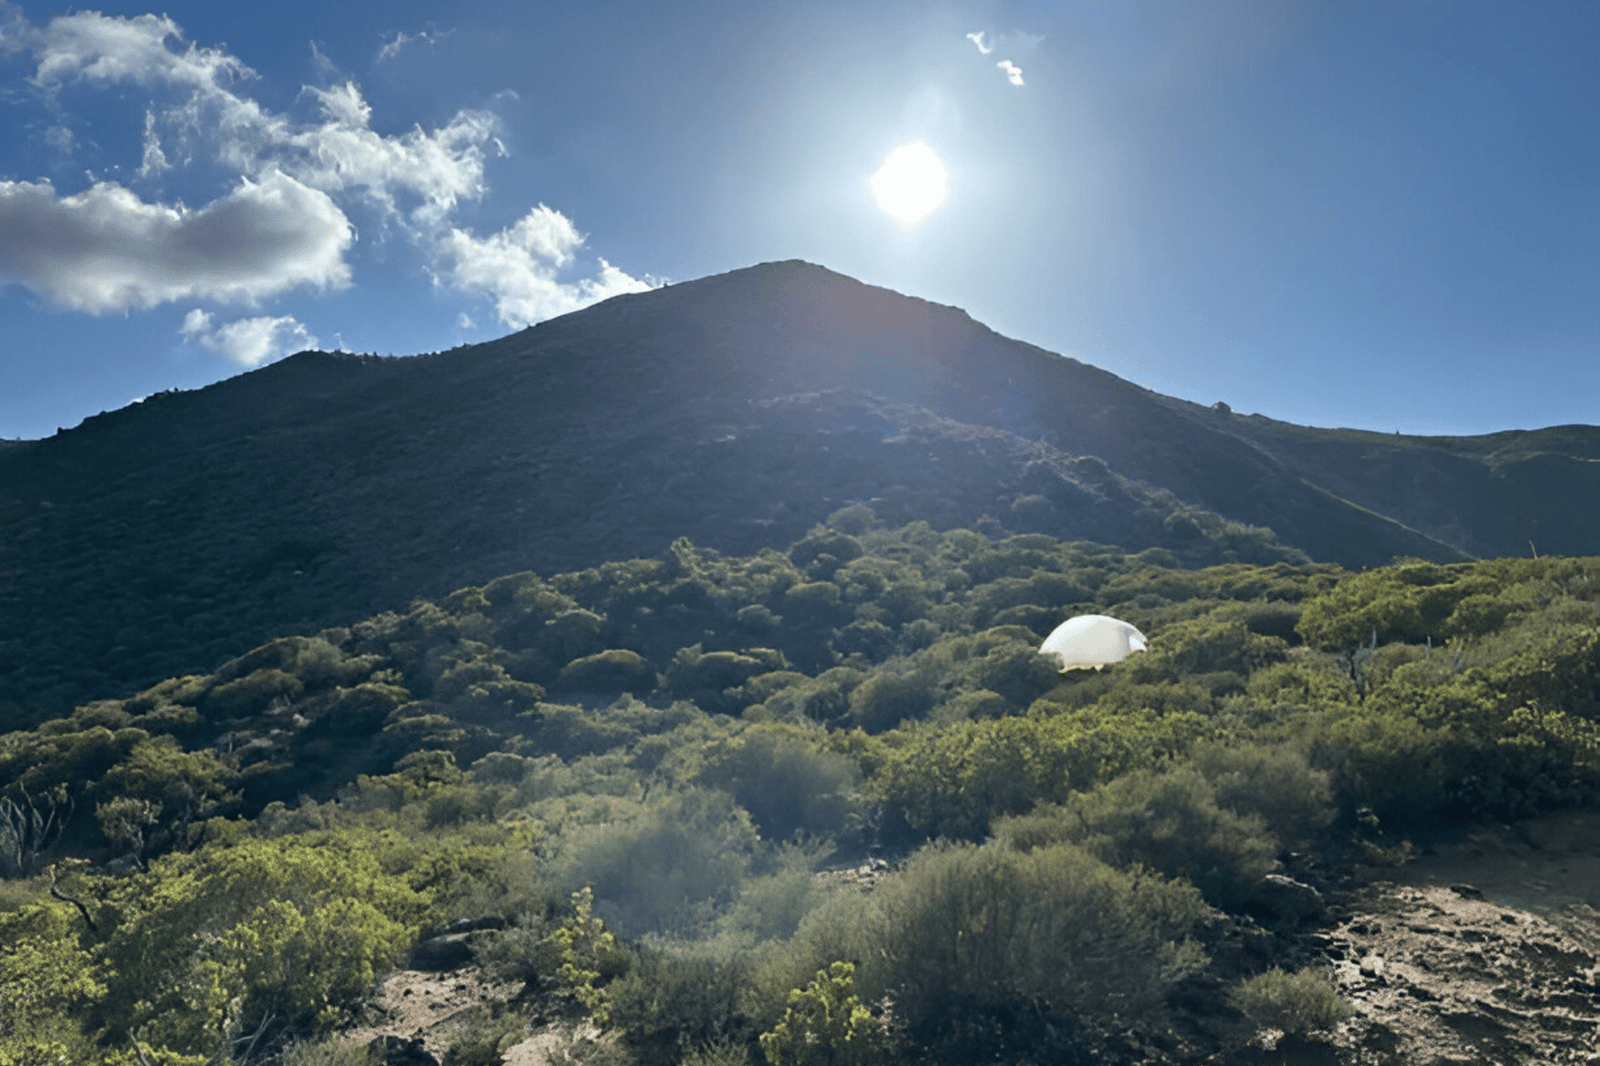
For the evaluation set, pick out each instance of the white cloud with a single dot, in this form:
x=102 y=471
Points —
x=105 y=249
x=155 y=160
x=439 y=167
x=1009 y=44
x=401 y=40
x=250 y=342
x=519 y=268
x=88 y=45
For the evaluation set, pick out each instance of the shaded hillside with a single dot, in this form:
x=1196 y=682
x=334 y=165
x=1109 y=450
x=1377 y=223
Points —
x=738 y=410
x=1508 y=493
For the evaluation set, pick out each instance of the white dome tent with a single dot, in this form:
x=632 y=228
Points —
x=1092 y=640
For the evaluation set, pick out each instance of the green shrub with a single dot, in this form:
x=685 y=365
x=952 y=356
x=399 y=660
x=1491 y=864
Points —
x=1171 y=821
x=253 y=693
x=985 y=948
x=1272 y=782
x=1295 y=1003
x=671 y=869
x=330 y=1051
x=724 y=1052
x=589 y=956
x=613 y=671
x=826 y=1024
x=953 y=782
x=485 y=1043
x=291 y=928
x=711 y=678
x=685 y=997
x=788 y=781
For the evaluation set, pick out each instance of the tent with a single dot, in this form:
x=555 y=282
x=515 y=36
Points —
x=1092 y=640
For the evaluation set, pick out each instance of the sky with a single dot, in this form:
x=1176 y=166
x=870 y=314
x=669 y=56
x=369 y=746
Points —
x=1378 y=214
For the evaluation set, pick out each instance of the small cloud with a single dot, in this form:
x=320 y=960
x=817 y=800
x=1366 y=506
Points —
x=464 y=321
x=392 y=48
x=250 y=342
x=155 y=160
x=59 y=138
x=1015 y=43
x=325 y=66
x=105 y=250
x=519 y=269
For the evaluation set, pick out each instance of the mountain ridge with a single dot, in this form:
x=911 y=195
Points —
x=738 y=410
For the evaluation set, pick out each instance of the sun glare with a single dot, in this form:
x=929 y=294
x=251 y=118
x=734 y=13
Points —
x=910 y=184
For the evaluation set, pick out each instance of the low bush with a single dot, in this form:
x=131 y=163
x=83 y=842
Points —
x=1171 y=821
x=1294 y=1003
x=989 y=950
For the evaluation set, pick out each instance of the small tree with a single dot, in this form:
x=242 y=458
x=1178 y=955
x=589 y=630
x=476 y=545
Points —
x=587 y=952
x=826 y=1025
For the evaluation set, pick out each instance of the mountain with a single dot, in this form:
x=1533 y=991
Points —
x=737 y=410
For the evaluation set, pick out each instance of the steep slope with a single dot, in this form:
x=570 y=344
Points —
x=1500 y=494
x=737 y=410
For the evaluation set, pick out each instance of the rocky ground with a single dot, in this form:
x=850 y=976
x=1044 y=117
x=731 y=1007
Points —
x=1481 y=951
x=1484 y=951
x=422 y=1012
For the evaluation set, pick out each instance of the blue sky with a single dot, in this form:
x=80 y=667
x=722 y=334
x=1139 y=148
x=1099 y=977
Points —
x=1382 y=214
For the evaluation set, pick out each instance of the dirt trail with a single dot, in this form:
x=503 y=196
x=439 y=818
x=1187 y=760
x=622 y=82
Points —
x=1483 y=952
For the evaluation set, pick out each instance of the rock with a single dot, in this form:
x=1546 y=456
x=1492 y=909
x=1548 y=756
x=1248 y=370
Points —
x=1467 y=891
x=474 y=925
x=440 y=953
x=1287 y=901
x=395 y=1051
x=1372 y=966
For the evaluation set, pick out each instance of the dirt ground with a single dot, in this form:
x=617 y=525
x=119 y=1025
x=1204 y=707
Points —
x=1482 y=951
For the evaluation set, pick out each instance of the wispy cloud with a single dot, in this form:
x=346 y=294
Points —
x=1009 y=45
x=250 y=342
x=105 y=250
x=520 y=267
x=154 y=160
x=391 y=49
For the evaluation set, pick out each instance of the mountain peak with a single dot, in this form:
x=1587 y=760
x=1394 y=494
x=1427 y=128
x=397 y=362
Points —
x=738 y=410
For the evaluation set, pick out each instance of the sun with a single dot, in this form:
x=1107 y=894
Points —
x=910 y=184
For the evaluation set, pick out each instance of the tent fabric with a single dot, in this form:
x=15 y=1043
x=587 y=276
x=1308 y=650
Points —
x=1092 y=640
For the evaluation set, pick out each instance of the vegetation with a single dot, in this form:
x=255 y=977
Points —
x=1293 y=1003
x=640 y=767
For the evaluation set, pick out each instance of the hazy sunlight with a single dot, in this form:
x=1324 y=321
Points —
x=910 y=184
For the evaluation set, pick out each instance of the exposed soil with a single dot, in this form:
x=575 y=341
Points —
x=430 y=1007
x=1483 y=951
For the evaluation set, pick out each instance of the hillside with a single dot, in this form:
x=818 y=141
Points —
x=666 y=794
x=738 y=410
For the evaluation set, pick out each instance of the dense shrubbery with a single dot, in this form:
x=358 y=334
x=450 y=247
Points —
x=691 y=736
